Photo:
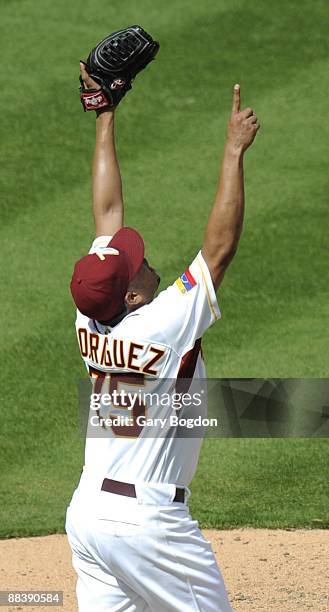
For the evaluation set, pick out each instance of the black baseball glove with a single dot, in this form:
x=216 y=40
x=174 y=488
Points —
x=114 y=63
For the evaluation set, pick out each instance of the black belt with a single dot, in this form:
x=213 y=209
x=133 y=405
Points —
x=129 y=490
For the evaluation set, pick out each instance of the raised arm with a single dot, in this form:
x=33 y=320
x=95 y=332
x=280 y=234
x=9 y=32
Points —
x=226 y=218
x=107 y=185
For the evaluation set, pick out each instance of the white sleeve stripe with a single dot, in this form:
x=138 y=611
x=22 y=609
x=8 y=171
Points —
x=215 y=312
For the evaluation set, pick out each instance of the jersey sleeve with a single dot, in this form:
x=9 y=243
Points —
x=188 y=307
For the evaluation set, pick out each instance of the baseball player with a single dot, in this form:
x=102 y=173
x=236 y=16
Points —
x=135 y=547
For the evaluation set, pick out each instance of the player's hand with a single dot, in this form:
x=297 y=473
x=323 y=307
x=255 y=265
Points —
x=243 y=125
x=88 y=82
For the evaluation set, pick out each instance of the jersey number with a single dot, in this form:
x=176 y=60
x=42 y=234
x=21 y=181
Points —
x=113 y=380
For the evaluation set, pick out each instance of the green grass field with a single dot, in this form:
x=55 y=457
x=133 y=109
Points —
x=170 y=128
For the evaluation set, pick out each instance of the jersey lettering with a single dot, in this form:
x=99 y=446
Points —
x=94 y=342
x=106 y=355
x=158 y=355
x=112 y=383
x=119 y=362
x=132 y=355
x=121 y=354
x=83 y=341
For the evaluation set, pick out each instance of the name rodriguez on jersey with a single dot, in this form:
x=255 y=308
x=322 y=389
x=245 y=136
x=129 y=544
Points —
x=122 y=354
x=143 y=421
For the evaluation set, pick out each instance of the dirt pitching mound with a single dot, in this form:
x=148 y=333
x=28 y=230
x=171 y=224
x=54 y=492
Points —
x=264 y=570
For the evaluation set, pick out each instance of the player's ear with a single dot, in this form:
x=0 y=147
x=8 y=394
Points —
x=133 y=299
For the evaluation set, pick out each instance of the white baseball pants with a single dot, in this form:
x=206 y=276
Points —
x=142 y=554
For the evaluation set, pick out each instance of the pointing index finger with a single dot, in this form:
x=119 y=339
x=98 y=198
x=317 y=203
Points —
x=236 y=99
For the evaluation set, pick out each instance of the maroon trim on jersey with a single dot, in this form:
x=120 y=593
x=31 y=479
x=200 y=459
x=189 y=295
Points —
x=94 y=322
x=112 y=326
x=187 y=367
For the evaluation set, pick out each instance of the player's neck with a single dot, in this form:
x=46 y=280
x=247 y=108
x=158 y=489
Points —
x=113 y=322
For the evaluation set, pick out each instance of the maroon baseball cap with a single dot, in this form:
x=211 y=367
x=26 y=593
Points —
x=100 y=280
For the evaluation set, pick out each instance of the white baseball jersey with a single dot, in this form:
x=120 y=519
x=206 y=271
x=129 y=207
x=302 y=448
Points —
x=153 y=346
x=144 y=553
